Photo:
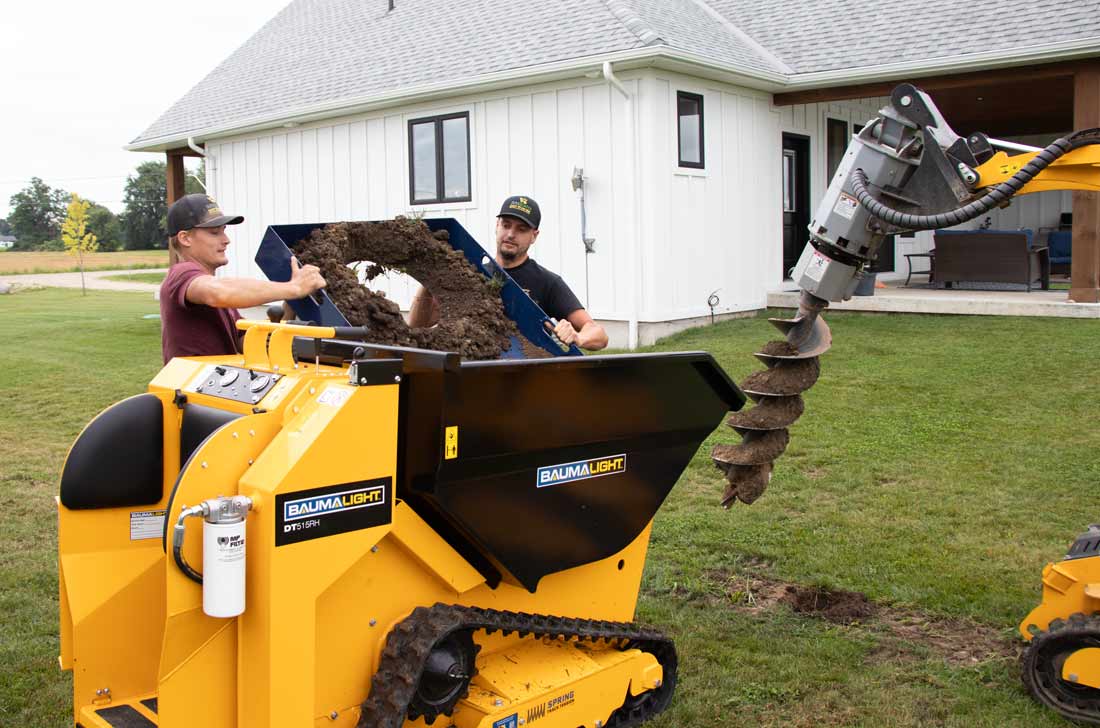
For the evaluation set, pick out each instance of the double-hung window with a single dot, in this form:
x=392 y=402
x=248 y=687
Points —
x=439 y=159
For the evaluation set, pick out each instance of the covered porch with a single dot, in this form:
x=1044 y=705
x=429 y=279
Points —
x=896 y=297
x=1033 y=103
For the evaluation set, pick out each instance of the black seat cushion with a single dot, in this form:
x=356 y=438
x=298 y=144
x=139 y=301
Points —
x=119 y=458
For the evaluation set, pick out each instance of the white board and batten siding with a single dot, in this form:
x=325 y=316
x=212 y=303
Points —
x=716 y=229
x=693 y=232
x=521 y=142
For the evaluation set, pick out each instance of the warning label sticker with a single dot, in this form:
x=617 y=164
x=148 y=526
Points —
x=334 y=396
x=450 y=443
x=146 y=524
x=815 y=269
x=846 y=206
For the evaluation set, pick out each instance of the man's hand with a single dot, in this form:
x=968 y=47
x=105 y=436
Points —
x=565 y=331
x=305 y=279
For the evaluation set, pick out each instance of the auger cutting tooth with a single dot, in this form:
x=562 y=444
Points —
x=745 y=483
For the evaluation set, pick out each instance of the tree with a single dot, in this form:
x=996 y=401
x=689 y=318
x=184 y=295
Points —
x=36 y=214
x=5 y=227
x=106 y=227
x=74 y=234
x=143 y=221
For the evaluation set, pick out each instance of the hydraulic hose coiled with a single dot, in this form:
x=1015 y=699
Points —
x=995 y=197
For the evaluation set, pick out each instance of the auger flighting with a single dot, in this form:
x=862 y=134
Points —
x=793 y=367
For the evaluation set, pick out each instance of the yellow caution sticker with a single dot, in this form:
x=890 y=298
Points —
x=450 y=443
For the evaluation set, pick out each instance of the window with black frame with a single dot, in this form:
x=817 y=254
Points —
x=836 y=144
x=439 y=159
x=689 y=117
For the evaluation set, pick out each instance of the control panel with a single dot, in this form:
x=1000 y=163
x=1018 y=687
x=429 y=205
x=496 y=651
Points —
x=234 y=383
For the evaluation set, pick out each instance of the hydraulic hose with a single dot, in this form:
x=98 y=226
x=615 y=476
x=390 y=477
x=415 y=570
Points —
x=177 y=543
x=980 y=206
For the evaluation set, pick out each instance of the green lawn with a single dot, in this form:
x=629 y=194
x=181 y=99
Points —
x=940 y=463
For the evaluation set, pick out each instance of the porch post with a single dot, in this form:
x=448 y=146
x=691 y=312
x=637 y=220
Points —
x=175 y=188
x=1085 y=267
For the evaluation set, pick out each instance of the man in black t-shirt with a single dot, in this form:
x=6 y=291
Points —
x=517 y=230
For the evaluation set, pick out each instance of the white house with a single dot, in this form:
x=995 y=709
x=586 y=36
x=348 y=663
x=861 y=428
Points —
x=705 y=129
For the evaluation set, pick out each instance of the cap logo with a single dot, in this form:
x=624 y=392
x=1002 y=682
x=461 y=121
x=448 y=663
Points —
x=520 y=205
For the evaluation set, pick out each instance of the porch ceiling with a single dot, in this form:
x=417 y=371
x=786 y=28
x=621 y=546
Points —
x=1003 y=102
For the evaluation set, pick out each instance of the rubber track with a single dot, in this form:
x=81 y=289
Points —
x=410 y=642
x=1041 y=667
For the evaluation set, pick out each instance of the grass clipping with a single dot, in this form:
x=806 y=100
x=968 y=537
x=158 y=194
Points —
x=472 y=319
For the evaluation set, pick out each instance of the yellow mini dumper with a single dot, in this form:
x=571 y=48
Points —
x=323 y=532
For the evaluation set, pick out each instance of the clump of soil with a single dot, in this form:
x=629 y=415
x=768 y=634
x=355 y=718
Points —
x=757 y=448
x=779 y=348
x=832 y=605
x=472 y=319
x=787 y=378
x=772 y=413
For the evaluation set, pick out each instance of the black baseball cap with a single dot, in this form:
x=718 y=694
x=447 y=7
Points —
x=197 y=210
x=522 y=208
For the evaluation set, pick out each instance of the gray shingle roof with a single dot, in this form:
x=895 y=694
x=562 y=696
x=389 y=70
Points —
x=823 y=35
x=325 y=51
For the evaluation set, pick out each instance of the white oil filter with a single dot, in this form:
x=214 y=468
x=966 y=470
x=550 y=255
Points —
x=223 y=560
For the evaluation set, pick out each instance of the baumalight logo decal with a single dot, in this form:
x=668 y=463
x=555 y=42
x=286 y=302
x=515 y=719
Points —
x=580 y=470
x=323 y=505
x=332 y=509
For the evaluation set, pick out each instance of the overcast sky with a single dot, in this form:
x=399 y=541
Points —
x=81 y=79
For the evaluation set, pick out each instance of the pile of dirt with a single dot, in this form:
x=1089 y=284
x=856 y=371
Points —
x=472 y=319
x=901 y=633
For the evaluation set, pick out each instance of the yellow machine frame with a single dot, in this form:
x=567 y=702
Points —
x=304 y=650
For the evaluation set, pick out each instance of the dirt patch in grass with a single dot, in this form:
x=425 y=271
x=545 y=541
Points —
x=472 y=319
x=901 y=634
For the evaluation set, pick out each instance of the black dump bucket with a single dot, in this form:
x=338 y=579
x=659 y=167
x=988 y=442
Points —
x=530 y=467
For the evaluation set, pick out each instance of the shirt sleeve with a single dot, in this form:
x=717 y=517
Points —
x=179 y=280
x=562 y=301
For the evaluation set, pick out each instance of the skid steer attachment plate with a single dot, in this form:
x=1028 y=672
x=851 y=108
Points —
x=275 y=252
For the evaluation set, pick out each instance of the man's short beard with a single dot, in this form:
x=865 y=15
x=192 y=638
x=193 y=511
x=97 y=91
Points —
x=508 y=254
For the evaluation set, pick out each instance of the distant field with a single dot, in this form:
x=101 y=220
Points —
x=42 y=262
x=156 y=278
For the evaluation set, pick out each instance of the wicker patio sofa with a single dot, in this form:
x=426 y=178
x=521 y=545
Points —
x=990 y=256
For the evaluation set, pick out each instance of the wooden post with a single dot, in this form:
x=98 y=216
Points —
x=1084 y=284
x=175 y=190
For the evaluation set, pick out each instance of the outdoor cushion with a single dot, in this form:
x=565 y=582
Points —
x=1060 y=242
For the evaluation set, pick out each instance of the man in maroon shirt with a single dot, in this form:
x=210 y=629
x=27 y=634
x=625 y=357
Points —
x=198 y=312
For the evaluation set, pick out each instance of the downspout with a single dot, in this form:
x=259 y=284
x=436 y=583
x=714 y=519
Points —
x=635 y=266
x=198 y=150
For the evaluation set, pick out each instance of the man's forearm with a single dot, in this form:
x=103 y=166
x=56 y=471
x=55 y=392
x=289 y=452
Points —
x=247 y=292
x=592 y=337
